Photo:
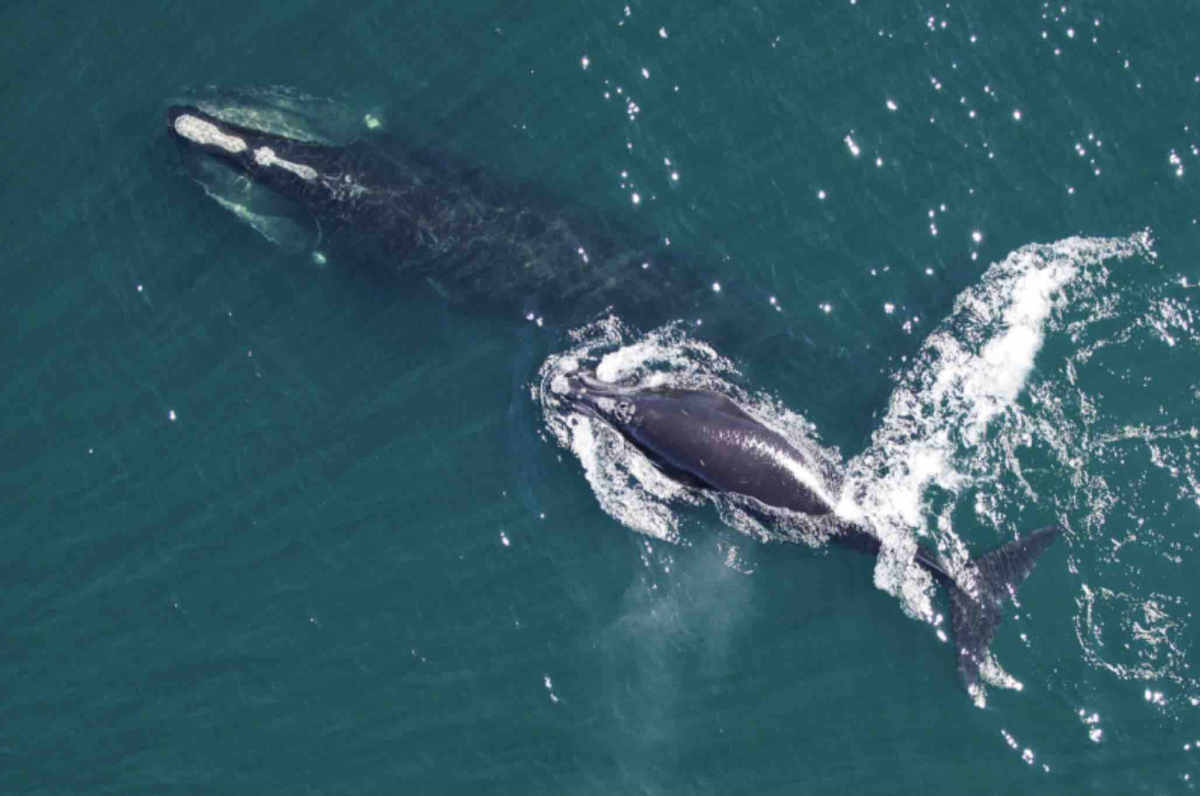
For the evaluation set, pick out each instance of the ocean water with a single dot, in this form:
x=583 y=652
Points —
x=275 y=527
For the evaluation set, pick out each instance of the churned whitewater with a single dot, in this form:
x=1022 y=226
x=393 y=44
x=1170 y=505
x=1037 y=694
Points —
x=952 y=430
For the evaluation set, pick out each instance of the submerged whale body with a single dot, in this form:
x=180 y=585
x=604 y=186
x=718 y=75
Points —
x=464 y=233
x=705 y=441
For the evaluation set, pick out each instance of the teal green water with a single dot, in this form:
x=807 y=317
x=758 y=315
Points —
x=278 y=529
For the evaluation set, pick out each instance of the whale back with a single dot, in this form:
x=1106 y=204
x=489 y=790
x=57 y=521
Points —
x=474 y=237
x=716 y=443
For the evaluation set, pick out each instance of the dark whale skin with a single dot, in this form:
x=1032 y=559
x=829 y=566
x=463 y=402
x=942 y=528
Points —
x=470 y=235
x=704 y=440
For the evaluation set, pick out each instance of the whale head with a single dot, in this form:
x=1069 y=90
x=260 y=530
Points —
x=195 y=129
x=262 y=155
x=585 y=393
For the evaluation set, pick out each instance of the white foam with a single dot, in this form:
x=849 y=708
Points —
x=207 y=133
x=969 y=372
x=265 y=156
x=627 y=485
x=662 y=347
x=629 y=488
x=950 y=428
x=1000 y=370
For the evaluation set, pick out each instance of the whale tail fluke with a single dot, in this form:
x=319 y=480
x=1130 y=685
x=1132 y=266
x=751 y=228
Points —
x=977 y=600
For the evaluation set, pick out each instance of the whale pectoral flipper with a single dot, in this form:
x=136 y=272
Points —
x=998 y=574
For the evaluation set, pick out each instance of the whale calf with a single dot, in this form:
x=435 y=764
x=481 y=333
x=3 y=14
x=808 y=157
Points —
x=466 y=233
x=706 y=441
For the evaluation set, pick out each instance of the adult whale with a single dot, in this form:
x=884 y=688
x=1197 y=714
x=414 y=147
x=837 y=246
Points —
x=462 y=230
x=706 y=441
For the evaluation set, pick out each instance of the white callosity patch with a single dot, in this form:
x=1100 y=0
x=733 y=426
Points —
x=265 y=156
x=207 y=133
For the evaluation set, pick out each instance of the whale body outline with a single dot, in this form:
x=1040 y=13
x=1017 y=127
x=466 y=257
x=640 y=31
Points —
x=704 y=440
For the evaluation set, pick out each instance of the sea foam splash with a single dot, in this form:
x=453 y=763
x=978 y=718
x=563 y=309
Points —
x=627 y=485
x=966 y=378
x=937 y=441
